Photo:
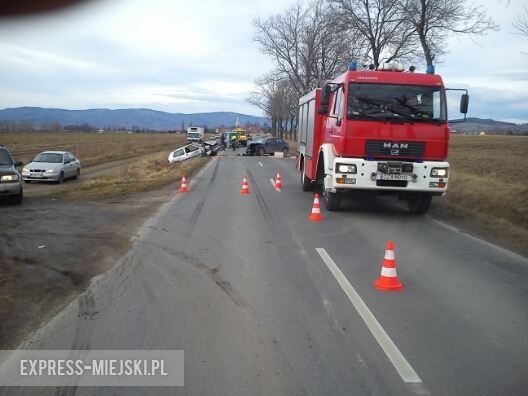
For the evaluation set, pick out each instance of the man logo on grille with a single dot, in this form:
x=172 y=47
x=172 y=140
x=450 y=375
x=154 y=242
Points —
x=391 y=145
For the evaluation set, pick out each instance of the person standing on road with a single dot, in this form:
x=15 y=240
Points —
x=233 y=142
x=222 y=141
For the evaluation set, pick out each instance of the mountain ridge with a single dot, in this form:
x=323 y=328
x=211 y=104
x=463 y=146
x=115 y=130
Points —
x=128 y=118
x=144 y=118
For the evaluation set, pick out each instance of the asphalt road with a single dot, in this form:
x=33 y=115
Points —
x=265 y=302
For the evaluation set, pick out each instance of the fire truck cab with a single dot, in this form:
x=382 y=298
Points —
x=381 y=130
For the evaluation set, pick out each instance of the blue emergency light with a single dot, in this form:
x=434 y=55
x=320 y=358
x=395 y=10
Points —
x=352 y=66
x=430 y=69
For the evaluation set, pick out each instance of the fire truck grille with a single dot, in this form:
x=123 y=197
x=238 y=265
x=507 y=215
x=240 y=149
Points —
x=385 y=148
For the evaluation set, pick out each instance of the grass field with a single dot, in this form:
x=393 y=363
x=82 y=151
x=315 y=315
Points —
x=143 y=175
x=488 y=187
x=488 y=176
x=97 y=149
x=90 y=148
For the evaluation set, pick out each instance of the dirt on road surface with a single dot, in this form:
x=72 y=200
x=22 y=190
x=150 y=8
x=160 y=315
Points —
x=50 y=249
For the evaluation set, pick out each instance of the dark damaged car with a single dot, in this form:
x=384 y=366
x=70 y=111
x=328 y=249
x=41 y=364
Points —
x=268 y=145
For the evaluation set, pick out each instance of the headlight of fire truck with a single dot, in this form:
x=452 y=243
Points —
x=346 y=168
x=439 y=172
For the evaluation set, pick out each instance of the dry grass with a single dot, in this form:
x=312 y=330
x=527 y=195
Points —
x=488 y=186
x=144 y=175
x=90 y=148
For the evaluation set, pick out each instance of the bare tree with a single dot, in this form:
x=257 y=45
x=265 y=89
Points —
x=271 y=97
x=305 y=44
x=520 y=23
x=381 y=24
x=435 y=20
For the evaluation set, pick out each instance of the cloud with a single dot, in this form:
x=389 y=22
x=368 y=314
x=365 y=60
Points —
x=29 y=58
x=183 y=56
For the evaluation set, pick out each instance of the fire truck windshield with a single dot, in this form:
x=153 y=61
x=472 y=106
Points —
x=391 y=102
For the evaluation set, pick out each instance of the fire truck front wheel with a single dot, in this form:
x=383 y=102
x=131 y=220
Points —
x=332 y=200
x=419 y=203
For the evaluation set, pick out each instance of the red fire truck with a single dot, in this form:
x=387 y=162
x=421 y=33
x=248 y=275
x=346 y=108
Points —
x=382 y=131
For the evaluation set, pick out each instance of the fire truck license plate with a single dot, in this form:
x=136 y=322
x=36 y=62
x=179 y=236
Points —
x=384 y=176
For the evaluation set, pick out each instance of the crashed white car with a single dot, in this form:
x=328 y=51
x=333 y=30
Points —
x=185 y=153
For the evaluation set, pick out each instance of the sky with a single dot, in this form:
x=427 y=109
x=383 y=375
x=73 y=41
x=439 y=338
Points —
x=182 y=56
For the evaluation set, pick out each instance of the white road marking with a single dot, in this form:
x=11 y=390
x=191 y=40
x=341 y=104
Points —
x=273 y=184
x=260 y=163
x=399 y=362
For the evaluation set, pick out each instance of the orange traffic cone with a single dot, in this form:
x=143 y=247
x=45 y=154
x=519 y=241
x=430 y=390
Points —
x=278 y=181
x=388 y=279
x=184 y=185
x=245 y=187
x=316 y=210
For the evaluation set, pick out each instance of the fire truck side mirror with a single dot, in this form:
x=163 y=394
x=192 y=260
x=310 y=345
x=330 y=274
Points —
x=464 y=102
x=325 y=96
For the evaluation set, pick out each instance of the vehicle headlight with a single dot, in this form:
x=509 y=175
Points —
x=50 y=171
x=346 y=168
x=9 y=178
x=25 y=170
x=439 y=172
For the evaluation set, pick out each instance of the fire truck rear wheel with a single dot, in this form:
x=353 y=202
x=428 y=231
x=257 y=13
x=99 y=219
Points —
x=306 y=183
x=419 y=203
x=332 y=200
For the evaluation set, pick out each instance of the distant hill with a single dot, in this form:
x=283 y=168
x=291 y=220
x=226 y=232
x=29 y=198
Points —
x=129 y=118
x=476 y=125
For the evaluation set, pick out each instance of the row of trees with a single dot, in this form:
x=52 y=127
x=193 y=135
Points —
x=313 y=42
x=29 y=126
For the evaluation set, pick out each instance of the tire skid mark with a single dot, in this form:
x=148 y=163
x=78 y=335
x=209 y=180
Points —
x=211 y=273
x=198 y=210
x=81 y=341
x=260 y=199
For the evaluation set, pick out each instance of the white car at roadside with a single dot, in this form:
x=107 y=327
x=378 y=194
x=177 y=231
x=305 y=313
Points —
x=185 y=153
x=53 y=166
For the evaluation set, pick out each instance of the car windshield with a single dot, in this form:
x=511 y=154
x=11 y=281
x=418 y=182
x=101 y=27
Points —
x=5 y=158
x=396 y=102
x=49 y=157
x=194 y=135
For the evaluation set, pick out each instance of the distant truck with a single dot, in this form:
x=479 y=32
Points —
x=384 y=131
x=242 y=136
x=195 y=134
